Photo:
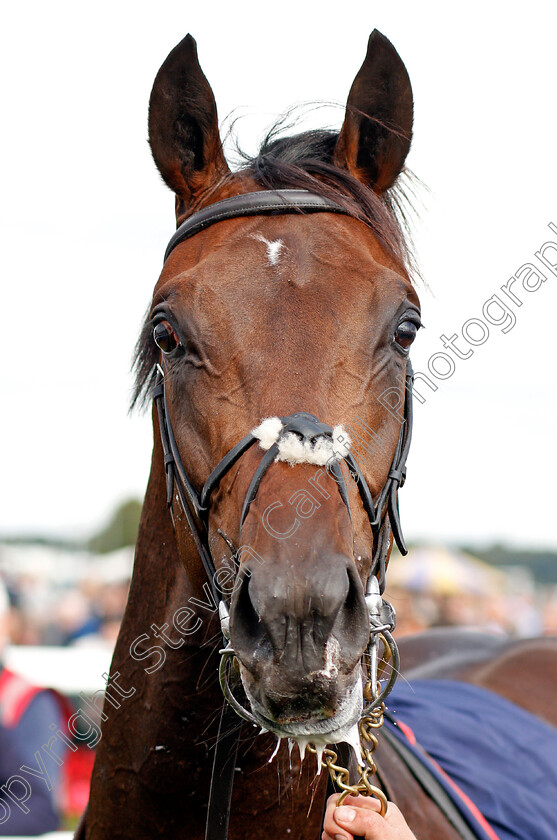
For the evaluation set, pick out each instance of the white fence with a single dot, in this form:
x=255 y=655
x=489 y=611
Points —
x=55 y=835
x=69 y=670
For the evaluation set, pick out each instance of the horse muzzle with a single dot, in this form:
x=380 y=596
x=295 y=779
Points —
x=299 y=638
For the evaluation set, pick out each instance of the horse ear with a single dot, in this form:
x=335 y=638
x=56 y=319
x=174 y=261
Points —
x=377 y=130
x=183 y=125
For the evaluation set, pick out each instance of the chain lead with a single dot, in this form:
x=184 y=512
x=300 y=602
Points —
x=371 y=720
x=340 y=775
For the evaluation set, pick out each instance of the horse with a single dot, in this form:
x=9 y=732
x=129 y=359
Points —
x=276 y=354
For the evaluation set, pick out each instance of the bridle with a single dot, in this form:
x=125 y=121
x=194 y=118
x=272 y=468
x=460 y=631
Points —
x=196 y=505
x=382 y=513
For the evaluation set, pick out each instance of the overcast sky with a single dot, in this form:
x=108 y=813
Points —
x=85 y=220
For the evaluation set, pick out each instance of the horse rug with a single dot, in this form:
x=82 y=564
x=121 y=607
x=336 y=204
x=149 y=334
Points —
x=493 y=758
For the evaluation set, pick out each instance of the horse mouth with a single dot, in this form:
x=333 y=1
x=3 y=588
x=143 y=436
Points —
x=340 y=727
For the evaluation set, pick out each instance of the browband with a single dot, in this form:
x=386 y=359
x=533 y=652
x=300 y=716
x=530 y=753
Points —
x=260 y=203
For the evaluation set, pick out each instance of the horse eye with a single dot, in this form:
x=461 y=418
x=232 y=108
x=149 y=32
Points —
x=405 y=334
x=165 y=337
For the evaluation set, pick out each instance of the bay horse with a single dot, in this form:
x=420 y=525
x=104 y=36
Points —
x=280 y=325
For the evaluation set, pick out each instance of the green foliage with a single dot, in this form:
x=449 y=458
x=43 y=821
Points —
x=120 y=531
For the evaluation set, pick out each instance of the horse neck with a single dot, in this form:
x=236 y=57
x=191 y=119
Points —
x=168 y=579
x=173 y=692
x=421 y=813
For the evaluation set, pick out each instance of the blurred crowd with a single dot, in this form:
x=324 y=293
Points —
x=513 y=615
x=83 y=603
x=437 y=586
x=89 y=612
x=65 y=599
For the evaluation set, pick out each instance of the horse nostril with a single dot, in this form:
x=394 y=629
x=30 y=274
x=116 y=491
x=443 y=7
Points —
x=247 y=631
x=351 y=626
x=300 y=624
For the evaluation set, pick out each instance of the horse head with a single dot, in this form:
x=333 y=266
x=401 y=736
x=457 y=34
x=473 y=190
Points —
x=292 y=328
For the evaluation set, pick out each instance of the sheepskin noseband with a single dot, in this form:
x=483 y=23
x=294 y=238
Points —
x=303 y=439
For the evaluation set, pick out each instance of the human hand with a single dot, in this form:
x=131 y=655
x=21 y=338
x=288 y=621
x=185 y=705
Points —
x=359 y=815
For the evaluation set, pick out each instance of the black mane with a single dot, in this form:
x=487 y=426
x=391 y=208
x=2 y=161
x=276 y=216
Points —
x=304 y=161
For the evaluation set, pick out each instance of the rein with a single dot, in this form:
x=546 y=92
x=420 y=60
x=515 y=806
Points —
x=383 y=516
